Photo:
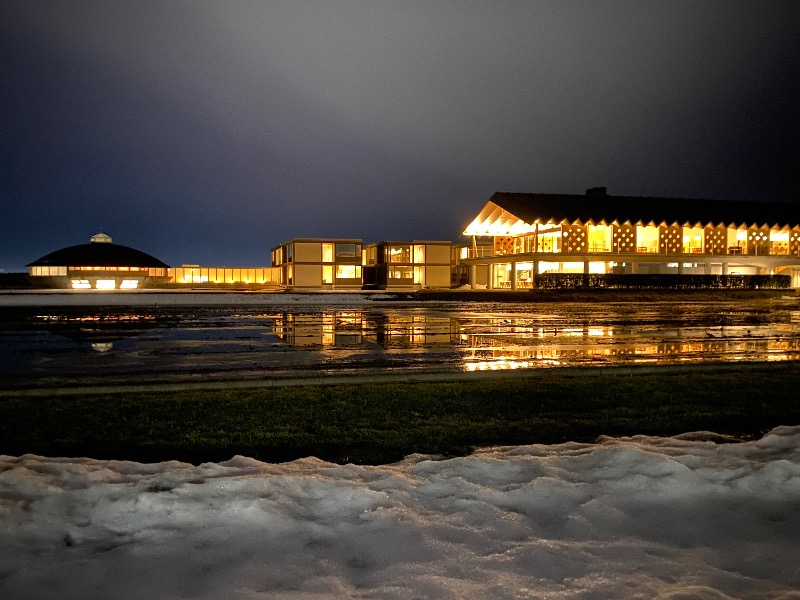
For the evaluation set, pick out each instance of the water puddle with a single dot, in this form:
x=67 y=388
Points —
x=91 y=346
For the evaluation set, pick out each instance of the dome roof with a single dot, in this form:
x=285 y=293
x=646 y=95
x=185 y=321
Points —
x=99 y=253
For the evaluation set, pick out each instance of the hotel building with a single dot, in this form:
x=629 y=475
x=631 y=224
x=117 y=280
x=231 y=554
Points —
x=516 y=237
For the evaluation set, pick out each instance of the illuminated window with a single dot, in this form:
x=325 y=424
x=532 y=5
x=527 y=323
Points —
x=549 y=239
x=129 y=284
x=647 y=239
x=401 y=273
x=546 y=266
x=597 y=267
x=105 y=284
x=419 y=255
x=81 y=284
x=399 y=254
x=348 y=272
x=419 y=275
x=327 y=253
x=327 y=273
x=779 y=241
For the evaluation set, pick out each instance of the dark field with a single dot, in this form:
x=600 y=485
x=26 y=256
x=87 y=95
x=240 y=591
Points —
x=380 y=423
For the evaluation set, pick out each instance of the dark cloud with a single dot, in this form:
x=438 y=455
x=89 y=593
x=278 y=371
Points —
x=210 y=131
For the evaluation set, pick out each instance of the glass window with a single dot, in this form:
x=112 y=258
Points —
x=81 y=284
x=105 y=284
x=327 y=253
x=419 y=255
x=289 y=248
x=327 y=273
x=129 y=284
x=399 y=254
x=348 y=250
x=401 y=273
x=348 y=272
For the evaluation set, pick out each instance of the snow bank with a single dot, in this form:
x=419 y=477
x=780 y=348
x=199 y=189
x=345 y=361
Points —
x=186 y=298
x=687 y=517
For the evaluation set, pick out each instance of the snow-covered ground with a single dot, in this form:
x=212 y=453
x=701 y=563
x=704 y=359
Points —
x=685 y=517
x=184 y=298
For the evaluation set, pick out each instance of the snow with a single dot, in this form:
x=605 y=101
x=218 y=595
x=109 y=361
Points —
x=186 y=298
x=675 y=518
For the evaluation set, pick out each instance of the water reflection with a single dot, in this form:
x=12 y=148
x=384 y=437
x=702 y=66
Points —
x=97 y=331
x=491 y=342
x=354 y=328
x=326 y=329
x=184 y=344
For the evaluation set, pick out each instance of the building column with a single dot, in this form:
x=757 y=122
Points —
x=490 y=283
x=585 y=267
x=680 y=267
x=513 y=276
x=707 y=268
x=634 y=268
x=473 y=275
x=724 y=267
x=534 y=274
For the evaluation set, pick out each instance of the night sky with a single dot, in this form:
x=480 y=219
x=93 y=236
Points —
x=209 y=132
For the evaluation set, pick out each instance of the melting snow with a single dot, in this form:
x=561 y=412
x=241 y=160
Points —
x=684 y=517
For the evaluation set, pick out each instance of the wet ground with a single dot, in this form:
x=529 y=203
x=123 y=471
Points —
x=89 y=345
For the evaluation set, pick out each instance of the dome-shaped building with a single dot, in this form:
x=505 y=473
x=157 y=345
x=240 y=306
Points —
x=98 y=265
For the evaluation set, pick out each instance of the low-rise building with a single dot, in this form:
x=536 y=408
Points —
x=198 y=277
x=319 y=263
x=99 y=265
x=409 y=265
x=516 y=237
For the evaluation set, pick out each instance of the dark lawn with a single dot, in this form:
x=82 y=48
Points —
x=379 y=423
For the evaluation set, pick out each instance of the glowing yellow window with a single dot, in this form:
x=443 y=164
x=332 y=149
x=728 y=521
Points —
x=348 y=272
x=105 y=284
x=327 y=272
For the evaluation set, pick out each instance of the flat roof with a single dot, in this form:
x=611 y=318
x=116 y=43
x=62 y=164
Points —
x=321 y=240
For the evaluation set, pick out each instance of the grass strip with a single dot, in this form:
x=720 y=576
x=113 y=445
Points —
x=380 y=423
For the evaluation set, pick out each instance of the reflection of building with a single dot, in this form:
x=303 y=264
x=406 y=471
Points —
x=606 y=345
x=352 y=328
x=319 y=263
x=411 y=265
x=400 y=329
x=98 y=265
x=518 y=236
x=325 y=329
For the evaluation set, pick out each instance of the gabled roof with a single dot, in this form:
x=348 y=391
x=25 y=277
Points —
x=598 y=206
x=98 y=255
